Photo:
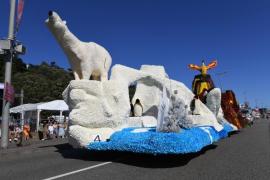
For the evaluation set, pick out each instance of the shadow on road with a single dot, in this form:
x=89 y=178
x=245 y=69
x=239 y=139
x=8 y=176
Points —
x=133 y=159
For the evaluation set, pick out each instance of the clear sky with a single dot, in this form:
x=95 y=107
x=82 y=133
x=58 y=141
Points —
x=162 y=32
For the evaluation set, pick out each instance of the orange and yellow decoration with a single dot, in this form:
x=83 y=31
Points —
x=203 y=68
x=202 y=82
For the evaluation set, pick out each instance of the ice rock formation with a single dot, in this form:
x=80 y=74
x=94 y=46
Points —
x=176 y=118
x=96 y=105
x=99 y=108
x=213 y=100
x=148 y=92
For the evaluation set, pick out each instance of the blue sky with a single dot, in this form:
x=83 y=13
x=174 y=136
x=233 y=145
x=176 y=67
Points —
x=162 y=32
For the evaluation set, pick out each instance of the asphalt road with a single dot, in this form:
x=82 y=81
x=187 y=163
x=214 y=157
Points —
x=245 y=155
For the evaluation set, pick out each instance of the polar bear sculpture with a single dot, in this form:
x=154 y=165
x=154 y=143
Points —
x=87 y=59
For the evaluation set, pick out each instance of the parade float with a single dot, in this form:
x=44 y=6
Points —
x=163 y=116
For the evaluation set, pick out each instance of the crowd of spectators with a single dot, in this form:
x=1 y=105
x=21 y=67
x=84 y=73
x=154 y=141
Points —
x=17 y=133
x=48 y=129
x=51 y=129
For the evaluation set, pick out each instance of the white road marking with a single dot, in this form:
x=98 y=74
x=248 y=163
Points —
x=77 y=171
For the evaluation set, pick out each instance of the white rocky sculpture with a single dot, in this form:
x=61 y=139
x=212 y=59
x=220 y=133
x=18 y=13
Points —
x=213 y=100
x=163 y=111
x=87 y=59
x=146 y=90
x=99 y=108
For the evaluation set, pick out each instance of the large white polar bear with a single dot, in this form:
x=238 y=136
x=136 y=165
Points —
x=87 y=59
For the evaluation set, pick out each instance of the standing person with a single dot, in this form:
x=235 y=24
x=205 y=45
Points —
x=61 y=131
x=40 y=131
x=45 y=131
x=55 y=129
x=11 y=132
x=17 y=133
x=50 y=129
x=65 y=125
x=26 y=131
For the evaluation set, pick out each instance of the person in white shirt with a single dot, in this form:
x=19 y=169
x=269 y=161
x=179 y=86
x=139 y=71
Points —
x=50 y=129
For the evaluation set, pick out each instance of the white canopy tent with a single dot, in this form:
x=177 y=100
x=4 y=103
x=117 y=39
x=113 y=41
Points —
x=2 y=86
x=24 y=107
x=56 y=105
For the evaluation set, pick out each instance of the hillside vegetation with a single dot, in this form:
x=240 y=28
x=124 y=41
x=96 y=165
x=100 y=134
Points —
x=41 y=83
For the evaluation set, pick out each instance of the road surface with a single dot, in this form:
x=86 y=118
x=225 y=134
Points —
x=245 y=155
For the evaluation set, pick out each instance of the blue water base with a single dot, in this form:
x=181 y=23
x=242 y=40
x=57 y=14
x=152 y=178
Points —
x=147 y=140
x=227 y=128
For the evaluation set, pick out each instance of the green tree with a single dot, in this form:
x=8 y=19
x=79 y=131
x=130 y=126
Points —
x=41 y=83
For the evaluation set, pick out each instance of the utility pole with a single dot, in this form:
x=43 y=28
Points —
x=22 y=114
x=8 y=69
x=21 y=96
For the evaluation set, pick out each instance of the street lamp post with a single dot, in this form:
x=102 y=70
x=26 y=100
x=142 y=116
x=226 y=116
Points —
x=8 y=68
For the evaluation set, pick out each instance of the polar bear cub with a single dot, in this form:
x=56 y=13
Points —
x=87 y=59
